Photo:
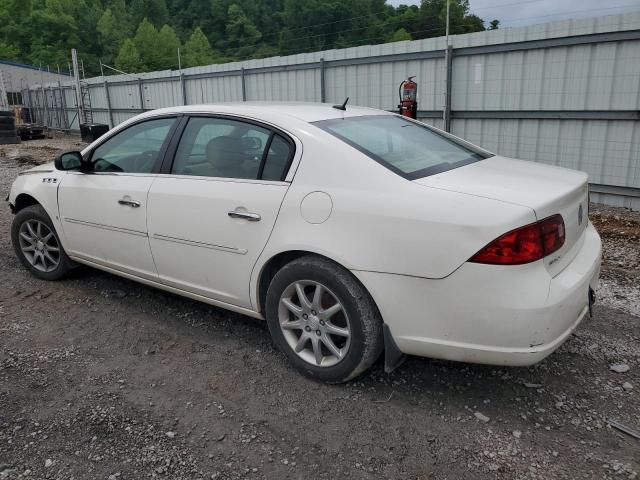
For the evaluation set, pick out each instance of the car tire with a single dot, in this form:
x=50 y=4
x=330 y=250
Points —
x=357 y=315
x=30 y=231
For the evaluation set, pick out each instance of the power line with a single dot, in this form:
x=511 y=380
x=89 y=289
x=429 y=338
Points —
x=387 y=11
x=340 y=32
x=441 y=27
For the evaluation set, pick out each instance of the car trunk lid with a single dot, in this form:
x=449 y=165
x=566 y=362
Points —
x=544 y=188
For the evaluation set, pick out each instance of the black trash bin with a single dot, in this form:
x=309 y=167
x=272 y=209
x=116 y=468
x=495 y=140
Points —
x=8 y=133
x=91 y=132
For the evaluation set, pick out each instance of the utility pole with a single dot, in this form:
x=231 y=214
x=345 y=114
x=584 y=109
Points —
x=447 y=28
x=446 y=111
x=76 y=78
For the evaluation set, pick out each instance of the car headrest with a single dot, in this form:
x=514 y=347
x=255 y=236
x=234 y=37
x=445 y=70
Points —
x=224 y=151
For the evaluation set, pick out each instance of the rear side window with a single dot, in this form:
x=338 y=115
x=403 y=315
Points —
x=230 y=148
x=408 y=148
x=278 y=158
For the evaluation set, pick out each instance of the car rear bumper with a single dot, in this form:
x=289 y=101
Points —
x=515 y=315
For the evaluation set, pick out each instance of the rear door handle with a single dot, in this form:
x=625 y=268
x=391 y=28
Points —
x=252 y=217
x=129 y=203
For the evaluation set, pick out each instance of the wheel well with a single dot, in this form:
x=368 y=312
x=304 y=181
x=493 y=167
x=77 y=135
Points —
x=393 y=356
x=23 y=201
x=271 y=268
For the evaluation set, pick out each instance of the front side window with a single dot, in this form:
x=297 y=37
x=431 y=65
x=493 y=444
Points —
x=229 y=148
x=135 y=149
x=408 y=148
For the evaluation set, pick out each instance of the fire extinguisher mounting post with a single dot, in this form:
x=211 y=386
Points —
x=342 y=107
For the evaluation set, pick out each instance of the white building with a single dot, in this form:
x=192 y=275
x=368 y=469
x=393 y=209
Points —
x=18 y=77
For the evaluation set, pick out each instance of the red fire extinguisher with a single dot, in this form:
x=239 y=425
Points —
x=408 y=92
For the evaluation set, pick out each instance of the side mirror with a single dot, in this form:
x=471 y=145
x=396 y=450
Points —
x=69 y=161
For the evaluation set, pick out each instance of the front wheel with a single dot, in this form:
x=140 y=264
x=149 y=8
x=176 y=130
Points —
x=37 y=244
x=323 y=319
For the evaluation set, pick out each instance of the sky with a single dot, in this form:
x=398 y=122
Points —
x=517 y=13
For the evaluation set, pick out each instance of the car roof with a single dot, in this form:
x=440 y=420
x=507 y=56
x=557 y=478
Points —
x=305 y=111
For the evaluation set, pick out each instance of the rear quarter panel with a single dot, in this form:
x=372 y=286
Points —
x=379 y=221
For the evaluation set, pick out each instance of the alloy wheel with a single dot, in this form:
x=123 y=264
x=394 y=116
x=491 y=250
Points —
x=314 y=323
x=39 y=245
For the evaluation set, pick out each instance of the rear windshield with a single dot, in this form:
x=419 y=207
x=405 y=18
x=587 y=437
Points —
x=408 y=148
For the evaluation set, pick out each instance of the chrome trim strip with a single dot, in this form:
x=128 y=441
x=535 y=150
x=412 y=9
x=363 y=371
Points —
x=107 y=227
x=34 y=172
x=240 y=251
x=204 y=178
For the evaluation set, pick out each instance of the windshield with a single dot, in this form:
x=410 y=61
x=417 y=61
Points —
x=408 y=148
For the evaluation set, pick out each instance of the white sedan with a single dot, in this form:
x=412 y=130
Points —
x=350 y=231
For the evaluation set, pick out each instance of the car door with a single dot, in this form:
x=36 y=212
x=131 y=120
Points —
x=211 y=214
x=103 y=210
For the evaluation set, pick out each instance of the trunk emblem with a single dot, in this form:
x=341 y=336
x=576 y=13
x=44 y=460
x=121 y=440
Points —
x=580 y=215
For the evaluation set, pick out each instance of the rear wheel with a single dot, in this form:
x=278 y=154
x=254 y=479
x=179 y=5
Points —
x=323 y=319
x=37 y=244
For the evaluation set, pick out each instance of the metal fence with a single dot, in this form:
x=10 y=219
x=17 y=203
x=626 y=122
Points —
x=565 y=93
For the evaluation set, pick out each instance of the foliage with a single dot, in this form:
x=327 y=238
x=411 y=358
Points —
x=144 y=35
x=168 y=45
x=197 y=50
x=399 y=35
x=128 y=58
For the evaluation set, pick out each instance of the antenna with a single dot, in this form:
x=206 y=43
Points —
x=342 y=107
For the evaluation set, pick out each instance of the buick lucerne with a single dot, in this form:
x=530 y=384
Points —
x=350 y=231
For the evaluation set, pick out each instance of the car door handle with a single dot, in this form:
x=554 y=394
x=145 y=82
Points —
x=129 y=203
x=252 y=217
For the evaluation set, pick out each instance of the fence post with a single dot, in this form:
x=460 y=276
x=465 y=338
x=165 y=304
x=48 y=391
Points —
x=323 y=98
x=183 y=89
x=108 y=98
x=141 y=95
x=244 y=86
x=63 y=106
x=32 y=110
x=446 y=112
x=54 y=102
x=46 y=106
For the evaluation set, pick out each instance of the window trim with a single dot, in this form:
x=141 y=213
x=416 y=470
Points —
x=170 y=155
x=479 y=154
x=161 y=154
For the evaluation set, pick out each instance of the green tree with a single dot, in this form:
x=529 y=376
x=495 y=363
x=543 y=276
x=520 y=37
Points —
x=494 y=24
x=146 y=42
x=44 y=31
x=9 y=52
x=242 y=35
x=197 y=50
x=128 y=59
x=110 y=36
x=155 y=11
x=400 y=35
x=168 y=45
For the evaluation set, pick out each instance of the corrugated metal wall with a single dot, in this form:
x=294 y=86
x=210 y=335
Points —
x=565 y=93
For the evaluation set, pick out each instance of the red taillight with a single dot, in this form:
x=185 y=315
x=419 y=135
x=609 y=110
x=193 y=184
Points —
x=525 y=244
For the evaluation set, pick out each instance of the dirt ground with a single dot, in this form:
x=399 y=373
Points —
x=103 y=378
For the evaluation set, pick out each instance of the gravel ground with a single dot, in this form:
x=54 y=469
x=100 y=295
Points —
x=103 y=378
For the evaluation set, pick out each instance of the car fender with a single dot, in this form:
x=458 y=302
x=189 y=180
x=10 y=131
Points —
x=41 y=183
